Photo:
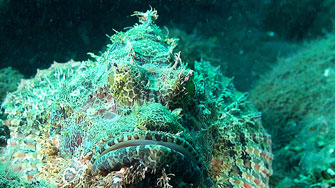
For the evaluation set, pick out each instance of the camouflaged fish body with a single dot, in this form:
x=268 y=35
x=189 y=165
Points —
x=144 y=119
x=144 y=73
x=147 y=72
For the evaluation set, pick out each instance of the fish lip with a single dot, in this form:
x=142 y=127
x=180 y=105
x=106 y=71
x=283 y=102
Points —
x=152 y=159
x=145 y=137
x=149 y=138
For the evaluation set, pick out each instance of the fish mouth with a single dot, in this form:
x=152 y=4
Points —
x=152 y=149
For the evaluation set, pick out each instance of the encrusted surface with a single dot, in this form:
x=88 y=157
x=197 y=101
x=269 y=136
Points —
x=137 y=116
x=297 y=100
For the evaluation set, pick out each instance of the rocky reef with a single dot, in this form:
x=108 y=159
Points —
x=136 y=116
x=297 y=101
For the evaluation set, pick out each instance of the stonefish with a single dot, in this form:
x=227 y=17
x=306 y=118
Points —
x=136 y=116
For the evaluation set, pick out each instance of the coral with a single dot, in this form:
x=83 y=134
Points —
x=137 y=116
x=297 y=101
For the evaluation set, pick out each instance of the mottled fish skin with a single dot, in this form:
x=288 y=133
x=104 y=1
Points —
x=150 y=138
x=154 y=148
x=231 y=134
x=156 y=157
x=139 y=112
x=145 y=76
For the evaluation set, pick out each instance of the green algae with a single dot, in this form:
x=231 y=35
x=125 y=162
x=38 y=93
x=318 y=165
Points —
x=297 y=101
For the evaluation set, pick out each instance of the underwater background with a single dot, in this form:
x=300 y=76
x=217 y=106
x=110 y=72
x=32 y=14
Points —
x=280 y=54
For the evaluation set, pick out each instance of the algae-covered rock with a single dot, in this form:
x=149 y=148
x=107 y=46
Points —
x=136 y=116
x=297 y=100
x=299 y=85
